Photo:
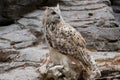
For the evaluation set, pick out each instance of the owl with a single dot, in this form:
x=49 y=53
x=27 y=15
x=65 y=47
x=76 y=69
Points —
x=64 y=41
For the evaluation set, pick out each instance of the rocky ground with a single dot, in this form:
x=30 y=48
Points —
x=23 y=50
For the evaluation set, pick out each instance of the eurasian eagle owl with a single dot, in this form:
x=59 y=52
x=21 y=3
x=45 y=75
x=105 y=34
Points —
x=65 y=41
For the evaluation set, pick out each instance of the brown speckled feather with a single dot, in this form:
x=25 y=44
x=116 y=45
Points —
x=65 y=39
x=68 y=41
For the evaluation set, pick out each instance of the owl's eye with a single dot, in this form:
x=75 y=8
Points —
x=53 y=13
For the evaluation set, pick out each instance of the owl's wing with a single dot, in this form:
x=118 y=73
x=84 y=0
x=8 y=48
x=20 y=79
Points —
x=69 y=41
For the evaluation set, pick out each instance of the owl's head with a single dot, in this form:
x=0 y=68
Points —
x=52 y=15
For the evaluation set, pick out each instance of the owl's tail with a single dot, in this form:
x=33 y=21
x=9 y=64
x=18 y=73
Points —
x=89 y=64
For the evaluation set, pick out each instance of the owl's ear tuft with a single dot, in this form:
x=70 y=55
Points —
x=55 y=8
x=58 y=6
x=44 y=22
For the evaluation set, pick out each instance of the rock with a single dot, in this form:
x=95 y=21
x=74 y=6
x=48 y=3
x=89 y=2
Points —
x=23 y=45
x=52 y=73
x=13 y=65
x=8 y=29
x=4 y=44
x=21 y=73
x=11 y=10
x=115 y=2
x=33 y=54
x=7 y=55
x=19 y=36
x=16 y=39
x=116 y=9
x=4 y=20
x=8 y=66
x=34 y=14
x=117 y=17
x=30 y=24
x=108 y=63
x=95 y=20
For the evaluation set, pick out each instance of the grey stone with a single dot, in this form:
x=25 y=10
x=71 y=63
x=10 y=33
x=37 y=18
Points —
x=19 y=36
x=96 y=22
x=115 y=2
x=117 y=17
x=30 y=24
x=8 y=66
x=11 y=10
x=7 y=55
x=109 y=34
x=13 y=65
x=33 y=54
x=116 y=9
x=8 y=29
x=21 y=73
x=24 y=44
x=34 y=14
x=4 y=44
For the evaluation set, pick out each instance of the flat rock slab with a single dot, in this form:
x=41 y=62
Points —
x=33 y=54
x=108 y=62
x=95 y=20
x=18 y=36
x=21 y=73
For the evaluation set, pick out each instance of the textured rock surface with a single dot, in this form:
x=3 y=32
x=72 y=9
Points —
x=94 y=19
x=24 y=34
x=22 y=48
x=108 y=62
x=116 y=9
x=21 y=73
x=11 y=10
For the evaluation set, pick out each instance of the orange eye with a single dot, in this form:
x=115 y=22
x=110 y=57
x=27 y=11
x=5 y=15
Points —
x=53 y=13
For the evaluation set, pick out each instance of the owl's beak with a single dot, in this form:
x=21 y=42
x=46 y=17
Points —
x=58 y=17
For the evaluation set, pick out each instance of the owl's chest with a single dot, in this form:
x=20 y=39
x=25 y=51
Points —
x=52 y=31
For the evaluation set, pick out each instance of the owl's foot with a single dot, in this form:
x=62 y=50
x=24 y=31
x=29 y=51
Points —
x=95 y=74
x=48 y=72
x=45 y=63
